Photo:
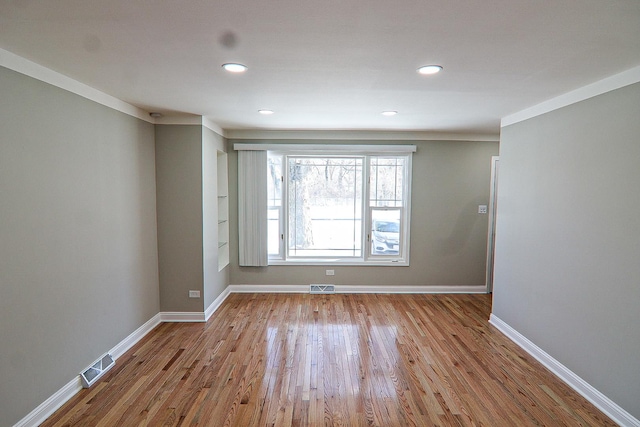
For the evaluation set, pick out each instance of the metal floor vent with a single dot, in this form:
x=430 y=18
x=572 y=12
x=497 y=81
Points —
x=98 y=369
x=322 y=289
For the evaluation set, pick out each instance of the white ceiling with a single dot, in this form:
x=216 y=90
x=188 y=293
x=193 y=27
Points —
x=332 y=64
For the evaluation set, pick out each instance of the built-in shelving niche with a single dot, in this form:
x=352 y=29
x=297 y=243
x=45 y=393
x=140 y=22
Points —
x=223 y=211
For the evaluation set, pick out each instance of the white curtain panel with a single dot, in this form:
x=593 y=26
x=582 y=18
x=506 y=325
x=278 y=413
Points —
x=252 y=208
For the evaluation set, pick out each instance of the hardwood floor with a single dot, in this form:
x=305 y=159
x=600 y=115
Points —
x=333 y=360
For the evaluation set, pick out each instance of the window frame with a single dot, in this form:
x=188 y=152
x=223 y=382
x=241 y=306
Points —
x=281 y=216
x=284 y=151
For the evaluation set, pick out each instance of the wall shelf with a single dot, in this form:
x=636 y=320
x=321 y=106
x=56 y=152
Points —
x=223 y=211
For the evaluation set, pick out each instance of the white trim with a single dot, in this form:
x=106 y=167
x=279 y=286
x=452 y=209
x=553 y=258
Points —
x=602 y=402
x=190 y=119
x=362 y=289
x=182 y=316
x=209 y=124
x=269 y=289
x=614 y=82
x=28 y=68
x=216 y=303
x=337 y=262
x=59 y=398
x=373 y=135
x=424 y=289
x=179 y=120
x=326 y=147
x=133 y=338
x=491 y=232
x=52 y=404
x=195 y=316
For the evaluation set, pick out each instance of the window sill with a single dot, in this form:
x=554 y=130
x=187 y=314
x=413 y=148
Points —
x=338 y=262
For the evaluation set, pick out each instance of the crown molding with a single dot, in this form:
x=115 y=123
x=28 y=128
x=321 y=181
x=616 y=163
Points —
x=209 y=124
x=36 y=71
x=29 y=68
x=182 y=119
x=608 y=84
x=190 y=119
x=371 y=135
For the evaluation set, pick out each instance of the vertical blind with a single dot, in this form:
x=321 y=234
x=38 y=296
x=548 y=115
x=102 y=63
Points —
x=252 y=208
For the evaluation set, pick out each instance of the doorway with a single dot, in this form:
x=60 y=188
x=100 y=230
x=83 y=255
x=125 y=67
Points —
x=491 y=238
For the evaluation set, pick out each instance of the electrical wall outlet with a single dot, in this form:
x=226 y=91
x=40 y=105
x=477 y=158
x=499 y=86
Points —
x=194 y=294
x=482 y=209
x=330 y=272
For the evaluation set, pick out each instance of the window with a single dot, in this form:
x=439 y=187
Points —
x=347 y=206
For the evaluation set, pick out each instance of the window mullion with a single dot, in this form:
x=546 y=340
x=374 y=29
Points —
x=284 y=232
x=366 y=208
x=284 y=203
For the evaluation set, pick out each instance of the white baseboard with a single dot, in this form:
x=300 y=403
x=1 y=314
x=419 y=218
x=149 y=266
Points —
x=602 y=402
x=358 y=289
x=182 y=316
x=269 y=289
x=49 y=406
x=124 y=345
x=216 y=303
x=347 y=289
x=195 y=316
x=59 y=398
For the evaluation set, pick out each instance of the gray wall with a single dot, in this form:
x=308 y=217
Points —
x=179 y=194
x=78 y=250
x=567 y=256
x=448 y=236
x=186 y=174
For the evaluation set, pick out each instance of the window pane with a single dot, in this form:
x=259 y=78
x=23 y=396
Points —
x=325 y=206
x=274 y=203
x=387 y=180
x=385 y=232
x=274 y=181
x=273 y=237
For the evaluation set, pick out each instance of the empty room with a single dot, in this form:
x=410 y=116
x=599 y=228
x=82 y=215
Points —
x=300 y=213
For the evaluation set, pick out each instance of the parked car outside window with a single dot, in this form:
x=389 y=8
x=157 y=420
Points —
x=385 y=237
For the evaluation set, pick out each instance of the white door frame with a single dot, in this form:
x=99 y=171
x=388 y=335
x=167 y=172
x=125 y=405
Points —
x=491 y=237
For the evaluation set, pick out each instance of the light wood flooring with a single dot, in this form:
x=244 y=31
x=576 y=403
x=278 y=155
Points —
x=331 y=360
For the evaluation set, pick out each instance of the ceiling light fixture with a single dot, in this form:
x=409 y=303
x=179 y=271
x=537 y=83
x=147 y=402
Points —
x=430 y=69
x=234 y=68
x=266 y=112
x=389 y=113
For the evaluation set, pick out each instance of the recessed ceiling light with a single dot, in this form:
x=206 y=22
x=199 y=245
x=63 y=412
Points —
x=430 y=69
x=389 y=113
x=234 y=68
x=266 y=112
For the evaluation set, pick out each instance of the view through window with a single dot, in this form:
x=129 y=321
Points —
x=349 y=208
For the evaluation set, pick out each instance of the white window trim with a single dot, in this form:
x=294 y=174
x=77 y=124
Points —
x=337 y=149
x=328 y=148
